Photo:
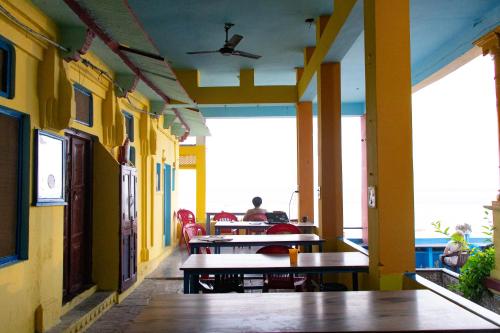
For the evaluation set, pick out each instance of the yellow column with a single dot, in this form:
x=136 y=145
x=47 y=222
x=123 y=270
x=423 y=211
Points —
x=329 y=154
x=305 y=172
x=391 y=235
x=201 y=182
x=490 y=43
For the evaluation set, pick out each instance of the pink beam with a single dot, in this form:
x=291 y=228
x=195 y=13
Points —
x=115 y=47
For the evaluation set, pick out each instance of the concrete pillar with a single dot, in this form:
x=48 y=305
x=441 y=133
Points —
x=391 y=237
x=329 y=154
x=305 y=170
x=490 y=44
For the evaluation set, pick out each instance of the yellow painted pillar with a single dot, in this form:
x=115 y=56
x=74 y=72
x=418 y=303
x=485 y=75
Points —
x=201 y=180
x=305 y=171
x=329 y=154
x=364 y=183
x=391 y=237
x=490 y=43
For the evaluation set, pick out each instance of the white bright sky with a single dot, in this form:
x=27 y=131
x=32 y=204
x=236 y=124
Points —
x=455 y=145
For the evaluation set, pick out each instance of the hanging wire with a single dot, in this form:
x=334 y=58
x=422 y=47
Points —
x=36 y=34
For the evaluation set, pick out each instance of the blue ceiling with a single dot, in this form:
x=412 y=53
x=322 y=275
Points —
x=441 y=31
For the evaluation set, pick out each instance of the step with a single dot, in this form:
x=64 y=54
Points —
x=84 y=314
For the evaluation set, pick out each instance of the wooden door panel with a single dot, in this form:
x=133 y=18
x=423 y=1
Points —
x=78 y=216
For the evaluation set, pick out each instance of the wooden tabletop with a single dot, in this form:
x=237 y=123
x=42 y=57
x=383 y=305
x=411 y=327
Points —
x=361 y=311
x=229 y=240
x=261 y=263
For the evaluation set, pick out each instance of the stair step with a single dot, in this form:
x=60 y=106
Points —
x=85 y=313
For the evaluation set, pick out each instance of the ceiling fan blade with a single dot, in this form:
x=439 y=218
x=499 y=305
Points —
x=202 y=52
x=234 y=41
x=246 y=54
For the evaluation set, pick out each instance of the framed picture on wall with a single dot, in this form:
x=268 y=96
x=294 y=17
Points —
x=50 y=169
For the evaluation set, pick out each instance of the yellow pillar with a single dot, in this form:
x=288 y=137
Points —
x=391 y=235
x=305 y=171
x=329 y=154
x=201 y=180
x=490 y=43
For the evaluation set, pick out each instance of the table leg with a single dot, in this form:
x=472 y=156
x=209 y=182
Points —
x=194 y=249
x=194 y=288
x=320 y=247
x=186 y=282
x=355 y=281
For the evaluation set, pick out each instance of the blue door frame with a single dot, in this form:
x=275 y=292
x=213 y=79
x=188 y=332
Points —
x=167 y=203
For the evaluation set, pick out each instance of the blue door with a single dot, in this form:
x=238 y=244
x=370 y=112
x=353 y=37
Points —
x=167 y=207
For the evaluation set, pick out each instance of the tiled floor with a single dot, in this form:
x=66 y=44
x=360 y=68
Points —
x=167 y=278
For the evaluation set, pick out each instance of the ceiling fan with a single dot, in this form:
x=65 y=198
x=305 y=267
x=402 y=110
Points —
x=229 y=45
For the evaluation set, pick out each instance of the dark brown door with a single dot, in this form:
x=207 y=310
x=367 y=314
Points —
x=78 y=216
x=128 y=228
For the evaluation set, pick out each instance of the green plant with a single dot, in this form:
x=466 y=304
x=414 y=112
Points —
x=488 y=229
x=439 y=230
x=473 y=273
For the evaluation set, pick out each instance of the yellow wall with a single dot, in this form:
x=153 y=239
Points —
x=43 y=89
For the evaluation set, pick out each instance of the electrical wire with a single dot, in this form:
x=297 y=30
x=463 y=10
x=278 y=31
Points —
x=36 y=34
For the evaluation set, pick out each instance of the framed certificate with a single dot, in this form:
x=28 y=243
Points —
x=50 y=169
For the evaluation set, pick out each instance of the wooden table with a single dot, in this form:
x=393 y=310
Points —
x=307 y=240
x=325 y=262
x=365 y=311
x=258 y=225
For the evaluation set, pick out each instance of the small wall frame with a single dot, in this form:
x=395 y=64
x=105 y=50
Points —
x=50 y=169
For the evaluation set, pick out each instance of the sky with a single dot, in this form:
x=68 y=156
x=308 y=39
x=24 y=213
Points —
x=455 y=156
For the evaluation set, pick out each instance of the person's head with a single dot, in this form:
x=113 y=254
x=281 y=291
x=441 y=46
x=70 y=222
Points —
x=257 y=201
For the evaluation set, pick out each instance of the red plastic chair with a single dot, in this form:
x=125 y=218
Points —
x=283 y=228
x=192 y=230
x=256 y=217
x=280 y=281
x=184 y=217
x=212 y=284
x=224 y=216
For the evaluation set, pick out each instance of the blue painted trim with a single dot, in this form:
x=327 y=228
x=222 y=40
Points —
x=348 y=109
x=22 y=228
x=158 y=177
x=455 y=47
x=87 y=92
x=167 y=203
x=129 y=125
x=8 y=47
x=173 y=179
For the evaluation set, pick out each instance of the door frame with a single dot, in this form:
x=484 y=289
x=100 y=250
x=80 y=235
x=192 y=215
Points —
x=89 y=199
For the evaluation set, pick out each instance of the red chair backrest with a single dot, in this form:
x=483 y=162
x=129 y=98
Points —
x=273 y=249
x=223 y=216
x=283 y=228
x=192 y=230
x=256 y=217
x=185 y=216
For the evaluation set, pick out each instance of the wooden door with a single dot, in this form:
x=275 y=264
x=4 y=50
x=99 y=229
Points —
x=167 y=203
x=128 y=228
x=78 y=216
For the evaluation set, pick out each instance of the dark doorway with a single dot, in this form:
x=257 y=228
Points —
x=78 y=216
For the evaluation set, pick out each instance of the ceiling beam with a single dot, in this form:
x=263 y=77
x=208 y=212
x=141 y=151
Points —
x=328 y=32
x=246 y=93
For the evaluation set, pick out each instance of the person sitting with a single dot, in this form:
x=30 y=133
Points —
x=257 y=201
x=453 y=249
